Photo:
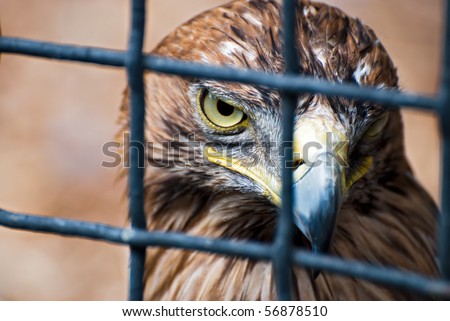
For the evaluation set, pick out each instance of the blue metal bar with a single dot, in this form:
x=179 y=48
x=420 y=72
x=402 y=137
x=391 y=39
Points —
x=254 y=250
x=51 y=50
x=387 y=276
x=287 y=83
x=282 y=249
x=133 y=237
x=135 y=69
x=444 y=226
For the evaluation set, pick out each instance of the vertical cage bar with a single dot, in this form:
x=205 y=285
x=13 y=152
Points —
x=136 y=149
x=283 y=242
x=444 y=231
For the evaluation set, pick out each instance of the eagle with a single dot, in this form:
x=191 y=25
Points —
x=213 y=160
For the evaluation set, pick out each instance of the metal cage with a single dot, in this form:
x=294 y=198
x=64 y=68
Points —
x=280 y=252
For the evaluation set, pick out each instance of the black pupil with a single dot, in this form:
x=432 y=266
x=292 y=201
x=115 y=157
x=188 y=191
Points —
x=224 y=108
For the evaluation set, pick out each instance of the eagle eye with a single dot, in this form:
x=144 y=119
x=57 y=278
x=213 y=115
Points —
x=219 y=114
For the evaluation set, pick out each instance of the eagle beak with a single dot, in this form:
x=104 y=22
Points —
x=318 y=197
x=319 y=181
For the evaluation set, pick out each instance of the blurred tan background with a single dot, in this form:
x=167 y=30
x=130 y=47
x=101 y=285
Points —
x=55 y=117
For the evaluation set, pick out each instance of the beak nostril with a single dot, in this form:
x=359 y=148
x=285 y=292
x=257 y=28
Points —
x=298 y=163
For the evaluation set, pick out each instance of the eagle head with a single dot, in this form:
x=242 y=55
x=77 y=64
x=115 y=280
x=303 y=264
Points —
x=225 y=138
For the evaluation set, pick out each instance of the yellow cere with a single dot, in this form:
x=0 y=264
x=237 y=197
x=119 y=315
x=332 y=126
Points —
x=315 y=130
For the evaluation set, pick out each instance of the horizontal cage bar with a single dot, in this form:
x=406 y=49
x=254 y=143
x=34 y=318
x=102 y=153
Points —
x=288 y=83
x=249 y=249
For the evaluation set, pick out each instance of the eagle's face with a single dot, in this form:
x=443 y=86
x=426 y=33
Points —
x=225 y=138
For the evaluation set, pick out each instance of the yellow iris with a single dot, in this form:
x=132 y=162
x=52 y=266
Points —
x=219 y=114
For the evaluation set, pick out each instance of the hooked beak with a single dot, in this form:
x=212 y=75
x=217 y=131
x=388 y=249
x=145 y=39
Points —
x=318 y=195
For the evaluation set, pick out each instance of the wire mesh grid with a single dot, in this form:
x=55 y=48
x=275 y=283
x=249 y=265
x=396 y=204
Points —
x=281 y=252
